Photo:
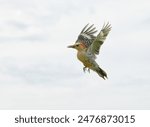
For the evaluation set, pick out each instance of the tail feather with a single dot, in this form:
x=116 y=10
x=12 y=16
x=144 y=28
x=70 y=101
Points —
x=101 y=73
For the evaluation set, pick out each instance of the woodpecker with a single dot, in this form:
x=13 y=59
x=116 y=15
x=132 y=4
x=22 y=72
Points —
x=88 y=46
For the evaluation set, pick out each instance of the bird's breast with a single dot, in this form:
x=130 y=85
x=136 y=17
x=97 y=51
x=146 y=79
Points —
x=84 y=59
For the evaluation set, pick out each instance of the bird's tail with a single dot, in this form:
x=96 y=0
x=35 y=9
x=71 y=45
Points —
x=101 y=73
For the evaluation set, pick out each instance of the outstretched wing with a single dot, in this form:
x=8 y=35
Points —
x=99 y=40
x=87 y=35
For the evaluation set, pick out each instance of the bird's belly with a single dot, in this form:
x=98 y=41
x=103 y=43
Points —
x=84 y=59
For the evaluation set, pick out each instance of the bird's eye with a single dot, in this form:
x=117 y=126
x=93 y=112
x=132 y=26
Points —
x=77 y=45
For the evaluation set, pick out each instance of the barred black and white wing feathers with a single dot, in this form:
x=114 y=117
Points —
x=99 y=40
x=87 y=35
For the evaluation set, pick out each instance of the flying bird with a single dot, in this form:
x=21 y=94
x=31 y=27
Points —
x=88 y=46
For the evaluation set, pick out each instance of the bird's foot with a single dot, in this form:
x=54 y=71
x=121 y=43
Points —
x=84 y=69
x=89 y=70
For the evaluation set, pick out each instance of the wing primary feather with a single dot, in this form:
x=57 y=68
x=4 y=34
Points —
x=89 y=28
x=92 y=29
x=84 y=28
x=93 y=32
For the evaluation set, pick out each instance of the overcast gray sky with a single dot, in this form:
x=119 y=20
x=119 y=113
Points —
x=37 y=71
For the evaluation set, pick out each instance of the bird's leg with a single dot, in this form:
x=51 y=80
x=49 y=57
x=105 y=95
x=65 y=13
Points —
x=89 y=70
x=84 y=69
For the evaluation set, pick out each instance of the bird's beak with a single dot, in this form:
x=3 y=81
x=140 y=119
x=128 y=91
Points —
x=71 y=46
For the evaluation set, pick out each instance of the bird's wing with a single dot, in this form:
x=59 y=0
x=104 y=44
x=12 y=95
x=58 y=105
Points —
x=99 y=40
x=86 y=36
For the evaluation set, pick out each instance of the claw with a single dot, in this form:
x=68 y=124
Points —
x=89 y=70
x=84 y=69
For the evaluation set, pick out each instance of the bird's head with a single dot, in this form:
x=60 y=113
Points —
x=78 y=46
